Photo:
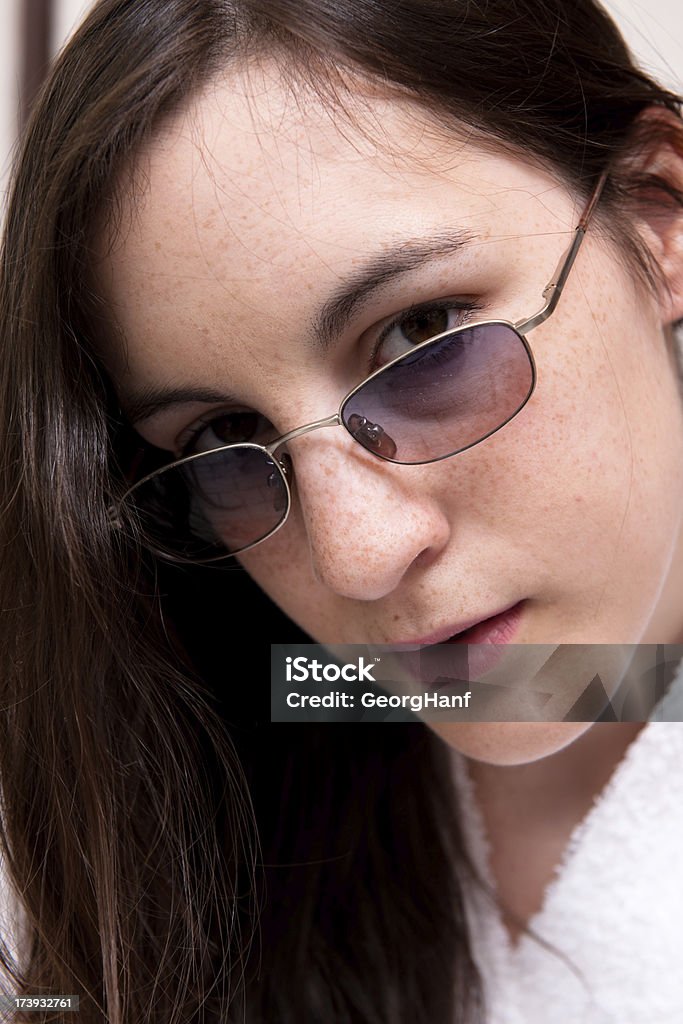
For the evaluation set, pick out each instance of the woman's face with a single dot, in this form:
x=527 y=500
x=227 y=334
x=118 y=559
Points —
x=257 y=207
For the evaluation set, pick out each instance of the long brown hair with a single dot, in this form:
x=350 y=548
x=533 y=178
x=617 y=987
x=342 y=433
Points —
x=178 y=857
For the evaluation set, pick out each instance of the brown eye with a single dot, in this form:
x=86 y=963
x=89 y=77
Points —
x=425 y=324
x=235 y=427
x=229 y=428
x=417 y=325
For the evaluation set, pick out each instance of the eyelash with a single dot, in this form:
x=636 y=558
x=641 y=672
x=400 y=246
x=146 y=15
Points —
x=190 y=435
x=421 y=307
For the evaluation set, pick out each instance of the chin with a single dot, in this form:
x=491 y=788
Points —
x=509 y=743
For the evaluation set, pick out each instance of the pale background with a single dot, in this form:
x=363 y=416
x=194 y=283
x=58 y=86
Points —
x=653 y=29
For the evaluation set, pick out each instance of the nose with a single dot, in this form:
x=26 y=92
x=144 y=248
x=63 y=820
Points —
x=367 y=521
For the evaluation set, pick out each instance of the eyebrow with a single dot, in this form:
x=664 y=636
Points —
x=354 y=292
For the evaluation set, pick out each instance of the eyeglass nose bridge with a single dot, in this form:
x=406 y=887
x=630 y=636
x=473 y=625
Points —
x=329 y=421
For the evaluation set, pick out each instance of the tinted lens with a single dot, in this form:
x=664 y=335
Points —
x=212 y=505
x=443 y=397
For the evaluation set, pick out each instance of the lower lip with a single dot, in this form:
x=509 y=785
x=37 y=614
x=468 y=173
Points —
x=487 y=641
x=436 y=667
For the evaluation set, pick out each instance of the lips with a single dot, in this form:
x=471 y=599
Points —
x=472 y=631
x=466 y=654
x=494 y=630
x=487 y=640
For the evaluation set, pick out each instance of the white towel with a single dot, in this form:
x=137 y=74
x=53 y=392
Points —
x=614 y=904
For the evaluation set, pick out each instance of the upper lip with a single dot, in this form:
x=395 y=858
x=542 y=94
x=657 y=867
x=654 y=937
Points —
x=439 y=636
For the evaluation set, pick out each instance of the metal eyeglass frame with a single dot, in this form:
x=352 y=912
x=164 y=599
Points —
x=551 y=293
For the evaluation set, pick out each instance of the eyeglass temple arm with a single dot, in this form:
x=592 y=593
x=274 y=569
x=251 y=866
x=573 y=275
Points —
x=553 y=290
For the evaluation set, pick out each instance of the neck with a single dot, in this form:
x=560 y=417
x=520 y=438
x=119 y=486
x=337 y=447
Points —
x=564 y=782
x=529 y=812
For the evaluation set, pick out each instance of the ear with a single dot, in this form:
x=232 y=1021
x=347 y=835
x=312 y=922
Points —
x=652 y=175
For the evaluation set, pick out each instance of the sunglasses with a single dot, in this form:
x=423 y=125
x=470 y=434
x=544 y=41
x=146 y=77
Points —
x=443 y=396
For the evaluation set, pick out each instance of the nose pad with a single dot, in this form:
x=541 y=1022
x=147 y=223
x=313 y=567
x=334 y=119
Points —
x=372 y=436
x=275 y=482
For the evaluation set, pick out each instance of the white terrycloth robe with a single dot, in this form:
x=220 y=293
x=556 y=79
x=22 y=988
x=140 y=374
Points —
x=614 y=905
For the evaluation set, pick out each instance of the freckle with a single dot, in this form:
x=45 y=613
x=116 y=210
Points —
x=157 y=246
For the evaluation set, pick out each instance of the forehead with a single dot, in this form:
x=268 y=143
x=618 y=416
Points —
x=257 y=196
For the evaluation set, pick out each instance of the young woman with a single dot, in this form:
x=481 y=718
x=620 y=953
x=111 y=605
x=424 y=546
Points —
x=226 y=218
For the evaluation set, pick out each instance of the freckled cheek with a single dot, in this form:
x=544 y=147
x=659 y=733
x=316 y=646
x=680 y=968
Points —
x=282 y=567
x=598 y=476
x=281 y=557
x=283 y=571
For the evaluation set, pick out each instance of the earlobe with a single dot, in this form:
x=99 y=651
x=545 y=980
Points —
x=653 y=178
x=669 y=237
x=663 y=219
